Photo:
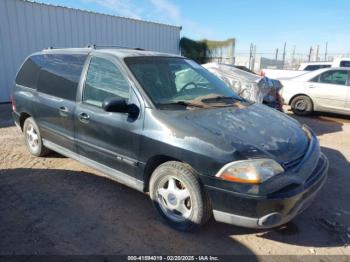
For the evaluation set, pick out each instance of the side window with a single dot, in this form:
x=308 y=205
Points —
x=315 y=79
x=104 y=80
x=312 y=67
x=345 y=64
x=337 y=77
x=60 y=75
x=29 y=72
x=315 y=67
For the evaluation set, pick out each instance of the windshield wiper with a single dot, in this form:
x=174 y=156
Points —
x=220 y=98
x=181 y=103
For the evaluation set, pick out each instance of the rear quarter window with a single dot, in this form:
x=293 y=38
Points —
x=60 y=75
x=345 y=64
x=29 y=72
x=315 y=67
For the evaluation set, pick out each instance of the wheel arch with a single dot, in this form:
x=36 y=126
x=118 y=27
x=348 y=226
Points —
x=152 y=164
x=23 y=116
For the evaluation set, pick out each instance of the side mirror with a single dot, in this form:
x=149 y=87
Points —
x=115 y=104
x=119 y=105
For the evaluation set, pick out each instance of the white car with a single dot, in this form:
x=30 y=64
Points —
x=325 y=90
x=305 y=68
x=338 y=62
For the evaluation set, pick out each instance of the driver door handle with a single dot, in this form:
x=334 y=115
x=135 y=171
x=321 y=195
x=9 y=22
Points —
x=83 y=117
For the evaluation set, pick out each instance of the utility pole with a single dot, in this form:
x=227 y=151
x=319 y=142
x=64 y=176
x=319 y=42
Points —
x=325 y=53
x=253 y=58
x=250 y=56
x=310 y=52
x=317 y=50
x=284 y=54
x=276 y=55
x=293 y=56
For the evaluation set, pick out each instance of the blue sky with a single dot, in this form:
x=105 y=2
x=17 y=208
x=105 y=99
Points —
x=267 y=23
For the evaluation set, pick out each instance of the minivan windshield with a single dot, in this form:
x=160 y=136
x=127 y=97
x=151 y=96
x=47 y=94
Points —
x=179 y=81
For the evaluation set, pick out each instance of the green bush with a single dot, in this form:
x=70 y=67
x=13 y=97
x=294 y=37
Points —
x=204 y=51
x=195 y=50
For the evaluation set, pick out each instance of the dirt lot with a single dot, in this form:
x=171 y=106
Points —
x=54 y=205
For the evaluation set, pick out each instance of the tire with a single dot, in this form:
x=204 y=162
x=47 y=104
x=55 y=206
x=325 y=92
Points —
x=33 y=139
x=302 y=105
x=175 y=186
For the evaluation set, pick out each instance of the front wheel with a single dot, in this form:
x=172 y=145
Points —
x=179 y=197
x=302 y=105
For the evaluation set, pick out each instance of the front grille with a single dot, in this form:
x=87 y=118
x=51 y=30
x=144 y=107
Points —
x=317 y=171
x=285 y=191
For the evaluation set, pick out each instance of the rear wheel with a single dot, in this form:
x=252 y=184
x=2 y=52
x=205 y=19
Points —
x=302 y=105
x=33 y=138
x=179 y=197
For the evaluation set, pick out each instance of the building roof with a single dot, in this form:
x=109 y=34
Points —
x=39 y=2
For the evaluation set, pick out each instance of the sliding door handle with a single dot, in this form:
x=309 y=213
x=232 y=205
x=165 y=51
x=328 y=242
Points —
x=64 y=109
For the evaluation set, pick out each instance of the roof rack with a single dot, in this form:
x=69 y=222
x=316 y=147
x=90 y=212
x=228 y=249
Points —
x=96 y=47
x=52 y=48
x=114 y=46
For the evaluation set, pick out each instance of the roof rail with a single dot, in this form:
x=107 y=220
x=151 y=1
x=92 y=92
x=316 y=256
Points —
x=49 y=47
x=114 y=46
x=52 y=47
x=93 y=46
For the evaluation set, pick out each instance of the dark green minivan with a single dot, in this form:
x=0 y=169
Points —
x=163 y=124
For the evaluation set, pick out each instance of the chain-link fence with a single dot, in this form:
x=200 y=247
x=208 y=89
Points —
x=275 y=60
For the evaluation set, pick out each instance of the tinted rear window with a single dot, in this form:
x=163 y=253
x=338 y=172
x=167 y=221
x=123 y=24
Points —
x=315 y=67
x=345 y=63
x=29 y=72
x=60 y=75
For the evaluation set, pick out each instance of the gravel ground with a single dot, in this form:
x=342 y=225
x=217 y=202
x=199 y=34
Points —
x=55 y=205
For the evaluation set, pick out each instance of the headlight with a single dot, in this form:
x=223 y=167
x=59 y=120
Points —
x=254 y=171
x=307 y=131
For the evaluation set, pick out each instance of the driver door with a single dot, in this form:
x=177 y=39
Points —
x=330 y=89
x=111 y=139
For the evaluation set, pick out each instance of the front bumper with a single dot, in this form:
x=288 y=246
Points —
x=16 y=118
x=270 y=210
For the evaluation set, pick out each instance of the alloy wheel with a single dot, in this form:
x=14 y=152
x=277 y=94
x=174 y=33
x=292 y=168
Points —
x=174 y=199
x=32 y=137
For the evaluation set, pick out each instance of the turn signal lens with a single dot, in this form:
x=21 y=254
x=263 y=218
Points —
x=13 y=102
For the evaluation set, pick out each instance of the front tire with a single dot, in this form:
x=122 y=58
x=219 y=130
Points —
x=33 y=139
x=302 y=105
x=179 y=197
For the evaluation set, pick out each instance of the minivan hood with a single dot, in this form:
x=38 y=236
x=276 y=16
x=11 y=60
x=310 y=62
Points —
x=253 y=130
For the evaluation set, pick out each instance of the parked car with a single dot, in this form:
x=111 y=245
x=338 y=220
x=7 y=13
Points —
x=338 y=62
x=249 y=85
x=197 y=148
x=305 y=68
x=325 y=90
